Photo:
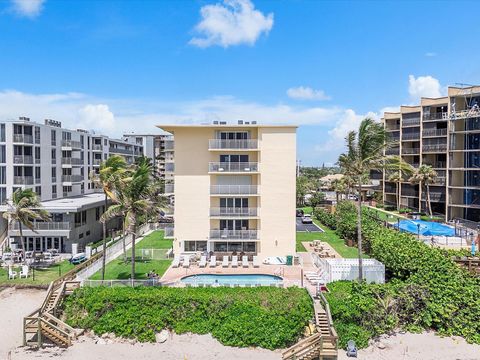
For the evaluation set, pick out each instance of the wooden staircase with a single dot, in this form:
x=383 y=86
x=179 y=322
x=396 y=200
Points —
x=323 y=344
x=43 y=322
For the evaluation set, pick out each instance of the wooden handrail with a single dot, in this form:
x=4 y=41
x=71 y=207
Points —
x=64 y=333
x=60 y=324
x=45 y=301
x=302 y=345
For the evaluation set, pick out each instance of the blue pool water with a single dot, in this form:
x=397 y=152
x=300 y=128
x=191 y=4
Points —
x=427 y=228
x=234 y=279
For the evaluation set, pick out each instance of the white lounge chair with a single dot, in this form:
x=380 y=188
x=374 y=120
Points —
x=234 y=261
x=245 y=261
x=256 y=262
x=24 y=272
x=225 y=261
x=176 y=261
x=186 y=261
x=11 y=273
x=203 y=261
x=213 y=261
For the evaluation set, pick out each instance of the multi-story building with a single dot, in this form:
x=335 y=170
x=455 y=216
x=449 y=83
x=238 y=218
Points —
x=445 y=134
x=234 y=188
x=56 y=163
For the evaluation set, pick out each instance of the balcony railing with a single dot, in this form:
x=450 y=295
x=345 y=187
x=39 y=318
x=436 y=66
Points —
x=97 y=147
x=72 y=178
x=233 y=211
x=72 y=144
x=390 y=190
x=72 y=161
x=411 y=136
x=463 y=114
x=392 y=128
x=434 y=148
x=44 y=226
x=434 y=132
x=409 y=192
x=436 y=116
x=440 y=180
x=169 y=188
x=410 y=150
x=437 y=164
x=234 y=234
x=234 y=189
x=392 y=151
x=122 y=151
x=23 y=180
x=247 y=144
x=22 y=138
x=233 y=167
x=435 y=196
x=97 y=162
x=22 y=159
x=411 y=122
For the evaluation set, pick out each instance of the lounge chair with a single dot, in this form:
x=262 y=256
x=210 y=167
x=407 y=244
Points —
x=186 y=261
x=245 y=261
x=256 y=262
x=176 y=261
x=351 y=349
x=234 y=261
x=225 y=261
x=11 y=273
x=24 y=272
x=203 y=261
x=213 y=261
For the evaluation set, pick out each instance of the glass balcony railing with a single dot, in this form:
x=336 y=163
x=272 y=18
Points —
x=233 y=211
x=23 y=138
x=23 y=180
x=72 y=144
x=234 y=234
x=245 y=144
x=234 y=189
x=233 y=167
x=72 y=161
x=22 y=159
x=434 y=132
x=44 y=226
x=72 y=178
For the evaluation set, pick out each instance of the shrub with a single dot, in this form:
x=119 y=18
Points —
x=405 y=210
x=346 y=219
x=326 y=218
x=379 y=206
x=267 y=317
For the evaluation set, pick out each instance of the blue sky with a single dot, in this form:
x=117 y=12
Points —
x=122 y=66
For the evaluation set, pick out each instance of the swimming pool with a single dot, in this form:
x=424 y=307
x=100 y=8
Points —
x=232 y=279
x=427 y=228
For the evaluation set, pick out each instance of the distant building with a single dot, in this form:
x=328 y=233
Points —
x=326 y=181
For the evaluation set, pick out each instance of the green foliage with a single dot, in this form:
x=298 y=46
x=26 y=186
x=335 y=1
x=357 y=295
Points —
x=405 y=210
x=326 y=218
x=379 y=206
x=432 y=218
x=346 y=219
x=271 y=318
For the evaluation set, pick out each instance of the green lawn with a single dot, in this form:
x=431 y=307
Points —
x=42 y=276
x=384 y=215
x=119 y=270
x=307 y=209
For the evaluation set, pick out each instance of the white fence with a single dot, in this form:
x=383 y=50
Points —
x=347 y=269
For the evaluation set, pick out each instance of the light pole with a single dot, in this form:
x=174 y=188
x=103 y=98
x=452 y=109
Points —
x=418 y=233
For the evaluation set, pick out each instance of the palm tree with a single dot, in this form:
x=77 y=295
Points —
x=106 y=179
x=425 y=175
x=339 y=187
x=24 y=208
x=365 y=152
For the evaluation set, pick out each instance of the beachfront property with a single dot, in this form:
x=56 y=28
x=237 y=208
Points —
x=444 y=133
x=56 y=162
x=234 y=188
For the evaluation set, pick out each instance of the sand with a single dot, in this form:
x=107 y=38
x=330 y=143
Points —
x=14 y=304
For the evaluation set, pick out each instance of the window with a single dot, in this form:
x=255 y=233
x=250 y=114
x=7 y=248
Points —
x=234 y=158
x=194 y=246
x=2 y=154
x=54 y=174
x=54 y=189
x=38 y=190
x=3 y=195
x=37 y=135
x=82 y=140
x=232 y=135
x=80 y=236
x=54 y=137
x=37 y=155
x=3 y=175
x=37 y=172
x=87 y=233
x=97 y=213
x=66 y=135
x=54 y=154
x=2 y=132
x=80 y=218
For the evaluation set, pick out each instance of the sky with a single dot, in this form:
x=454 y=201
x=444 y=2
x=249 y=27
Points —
x=125 y=66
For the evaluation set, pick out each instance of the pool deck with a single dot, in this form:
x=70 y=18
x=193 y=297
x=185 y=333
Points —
x=291 y=274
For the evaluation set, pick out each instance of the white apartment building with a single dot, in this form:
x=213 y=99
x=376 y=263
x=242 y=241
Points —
x=234 y=188
x=56 y=163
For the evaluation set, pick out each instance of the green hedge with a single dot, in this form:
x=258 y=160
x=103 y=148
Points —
x=271 y=318
x=346 y=219
x=326 y=218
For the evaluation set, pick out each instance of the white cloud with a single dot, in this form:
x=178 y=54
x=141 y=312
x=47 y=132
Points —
x=430 y=54
x=424 y=86
x=307 y=93
x=96 y=116
x=27 y=8
x=234 y=22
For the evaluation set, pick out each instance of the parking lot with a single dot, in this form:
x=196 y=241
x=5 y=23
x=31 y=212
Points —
x=306 y=227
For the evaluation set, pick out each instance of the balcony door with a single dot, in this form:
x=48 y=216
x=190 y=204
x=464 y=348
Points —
x=234 y=158
x=238 y=203
x=233 y=224
x=233 y=135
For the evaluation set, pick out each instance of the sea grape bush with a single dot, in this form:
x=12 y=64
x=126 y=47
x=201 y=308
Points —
x=267 y=317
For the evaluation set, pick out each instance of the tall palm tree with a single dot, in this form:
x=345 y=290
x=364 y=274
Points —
x=425 y=175
x=365 y=152
x=106 y=179
x=24 y=207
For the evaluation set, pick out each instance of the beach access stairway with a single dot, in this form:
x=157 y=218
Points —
x=43 y=323
x=322 y=345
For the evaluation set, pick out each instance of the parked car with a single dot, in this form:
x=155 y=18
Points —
x=78 y=259
x=307 y=219
x=299 y=212
x=353 y=197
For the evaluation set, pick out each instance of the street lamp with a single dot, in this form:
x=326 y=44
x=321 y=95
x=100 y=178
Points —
x=418 y=229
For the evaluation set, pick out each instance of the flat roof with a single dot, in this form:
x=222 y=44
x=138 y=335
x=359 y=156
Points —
x=170 y=127
x=74 y=203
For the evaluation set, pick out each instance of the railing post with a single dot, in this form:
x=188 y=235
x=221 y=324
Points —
x=39 y=330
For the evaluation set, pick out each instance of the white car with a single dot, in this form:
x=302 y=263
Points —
x=307 y=219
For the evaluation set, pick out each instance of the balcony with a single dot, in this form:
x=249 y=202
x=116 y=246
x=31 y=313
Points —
x=440 y=180
x=411 y=122
x=169 y=188
x=434 y=132
x=464 y=114
x=23 y=180
x=235 y=167
x=242 y=145
x=392 y=127
x=22 y=159
x=411 y=136
x=390 y=189
x=72 y=178
x=97 y=147
x=233 y=211
x=437 y=164
x=44 y=226
x=121 y=151
x=409 y=192
x=234 y=234
x=412 y=151
x=97 y=162
x=392 y=151
x=72 y=144
x=434 y=148
x=234 y=189
x=72 y=161
x=23 y=138
x=435 y=116
x=435 y=196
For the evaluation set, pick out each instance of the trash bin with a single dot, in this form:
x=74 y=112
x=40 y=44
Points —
x=289 y=260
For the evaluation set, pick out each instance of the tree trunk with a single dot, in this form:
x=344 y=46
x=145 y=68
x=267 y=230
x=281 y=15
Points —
x=337 y=195
x=104 y=245
x=123 y=241
x=429 y=204
x=359 y=234
x=134 y=235
x=398 y=197
x=22 y=243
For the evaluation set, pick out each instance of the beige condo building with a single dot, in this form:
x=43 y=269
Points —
x=444 y=133
x=234 y=188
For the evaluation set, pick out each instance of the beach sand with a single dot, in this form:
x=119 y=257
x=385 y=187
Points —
x=14 y=304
